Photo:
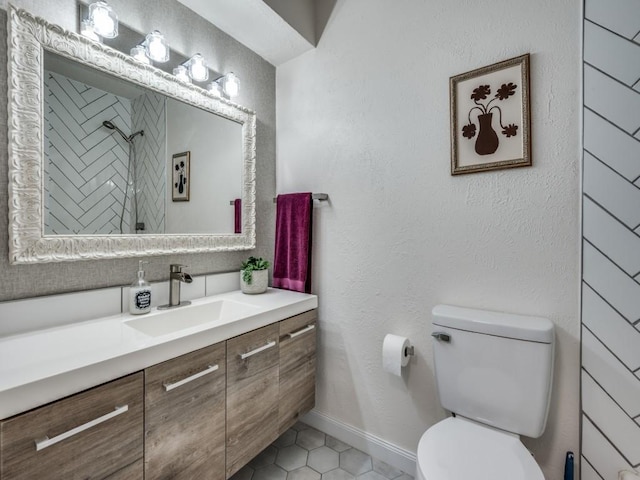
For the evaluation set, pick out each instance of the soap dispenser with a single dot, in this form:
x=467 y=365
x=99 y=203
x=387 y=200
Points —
x=140 y=293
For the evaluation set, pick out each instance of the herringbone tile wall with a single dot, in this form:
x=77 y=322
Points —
x=86 y=164
x=149 y=115
x=611 y=240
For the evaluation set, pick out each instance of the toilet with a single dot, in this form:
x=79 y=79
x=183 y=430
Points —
x=493 y=373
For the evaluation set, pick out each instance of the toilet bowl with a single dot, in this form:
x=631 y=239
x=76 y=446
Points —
x=494 y=373
x=461 y=449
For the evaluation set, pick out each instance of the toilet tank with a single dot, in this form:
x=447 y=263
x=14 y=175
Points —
x=494 y=368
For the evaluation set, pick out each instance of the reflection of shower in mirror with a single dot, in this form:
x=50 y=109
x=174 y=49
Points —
x=128 y=139
x=131 y=174
x=95 y=163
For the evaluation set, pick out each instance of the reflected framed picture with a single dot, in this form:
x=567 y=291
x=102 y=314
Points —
x=490 y=120
x=180 y=177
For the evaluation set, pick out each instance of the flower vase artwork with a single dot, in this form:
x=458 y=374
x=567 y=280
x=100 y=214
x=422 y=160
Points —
x=487 y=141
x=490 y=124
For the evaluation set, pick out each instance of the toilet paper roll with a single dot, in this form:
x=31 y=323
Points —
x=395 y=353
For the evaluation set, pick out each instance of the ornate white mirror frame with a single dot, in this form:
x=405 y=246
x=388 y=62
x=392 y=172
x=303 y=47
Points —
x=29 y=37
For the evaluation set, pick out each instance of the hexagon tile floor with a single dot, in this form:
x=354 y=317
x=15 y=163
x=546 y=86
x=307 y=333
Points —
x=304 y=453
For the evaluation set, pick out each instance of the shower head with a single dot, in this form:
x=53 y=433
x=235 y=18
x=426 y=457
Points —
x=128 y=139
x=111 y=126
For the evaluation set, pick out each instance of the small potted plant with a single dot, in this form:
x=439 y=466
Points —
x=254 y=276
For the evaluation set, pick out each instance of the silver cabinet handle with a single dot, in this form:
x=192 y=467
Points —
x=306 y=329
x=170 y=386
x=258 y=350
x=47 y=442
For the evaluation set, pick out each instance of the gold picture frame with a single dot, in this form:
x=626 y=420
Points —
x=181 y=177
x=490 y=117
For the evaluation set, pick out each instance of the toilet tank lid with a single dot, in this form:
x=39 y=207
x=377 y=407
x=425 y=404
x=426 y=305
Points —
x=520 y=327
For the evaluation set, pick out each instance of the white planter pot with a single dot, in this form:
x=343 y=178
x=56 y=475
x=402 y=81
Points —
x=259 y=282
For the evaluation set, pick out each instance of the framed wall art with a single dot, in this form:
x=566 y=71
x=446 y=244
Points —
x=180 y=176
x=490 y=122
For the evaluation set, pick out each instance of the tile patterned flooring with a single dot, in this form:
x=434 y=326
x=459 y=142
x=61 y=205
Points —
x=304 y=453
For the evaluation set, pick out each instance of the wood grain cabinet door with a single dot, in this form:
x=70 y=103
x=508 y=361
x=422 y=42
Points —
x=96 y=434
x=297 y=368
x=252 y=395
x=185 y=416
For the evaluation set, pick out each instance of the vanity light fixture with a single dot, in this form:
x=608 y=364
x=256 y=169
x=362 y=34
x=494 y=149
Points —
x=86 y=29
x=228 y=84
x=215 y=88
x=231 y=85
x=182 y=73
x=139 y=53
x=156 y=47
x=197 y=67
x=103 y=19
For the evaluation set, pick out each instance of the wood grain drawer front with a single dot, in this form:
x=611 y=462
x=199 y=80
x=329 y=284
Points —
x=185 y=416
x=297 y=368
x=252 y=395
x=97 y=434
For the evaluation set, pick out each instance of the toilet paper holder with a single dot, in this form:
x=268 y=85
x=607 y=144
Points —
x=408 y=351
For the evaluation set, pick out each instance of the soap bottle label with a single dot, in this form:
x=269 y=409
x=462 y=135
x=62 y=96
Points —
x=142 y=299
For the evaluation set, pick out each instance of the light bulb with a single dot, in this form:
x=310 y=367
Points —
x=156 y=47
x=198 y=68
x=214 y=88
x=231 y=85
x=86 y=29
x=103 y=19
x=138 y=52
x=181 y=73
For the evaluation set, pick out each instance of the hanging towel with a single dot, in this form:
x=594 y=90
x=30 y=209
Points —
x=292 y=259
x=237 y=210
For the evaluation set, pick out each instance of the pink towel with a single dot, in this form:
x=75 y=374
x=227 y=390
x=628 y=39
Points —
x=292 y=259
x=237 y=210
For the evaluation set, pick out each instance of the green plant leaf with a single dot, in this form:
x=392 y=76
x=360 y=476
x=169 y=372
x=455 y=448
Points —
x=251 y=264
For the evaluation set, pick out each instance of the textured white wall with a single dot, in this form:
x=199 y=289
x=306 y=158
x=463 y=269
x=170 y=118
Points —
x=365 y=118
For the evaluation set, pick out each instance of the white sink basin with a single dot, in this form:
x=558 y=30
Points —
x=180 y=318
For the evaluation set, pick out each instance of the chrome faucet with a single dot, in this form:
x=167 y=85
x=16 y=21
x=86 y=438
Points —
x=176 y=277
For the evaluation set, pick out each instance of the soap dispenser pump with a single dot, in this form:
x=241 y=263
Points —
x=140 y=293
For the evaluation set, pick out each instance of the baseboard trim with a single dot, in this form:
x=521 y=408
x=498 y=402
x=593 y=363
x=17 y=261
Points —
x=374 y=446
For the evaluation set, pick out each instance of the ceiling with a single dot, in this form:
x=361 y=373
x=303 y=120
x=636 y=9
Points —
x=257 y=26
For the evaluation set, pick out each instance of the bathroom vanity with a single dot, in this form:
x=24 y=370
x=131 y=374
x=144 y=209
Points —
x=193 y=401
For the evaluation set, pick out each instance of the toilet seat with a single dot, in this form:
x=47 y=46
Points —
x=461 y=449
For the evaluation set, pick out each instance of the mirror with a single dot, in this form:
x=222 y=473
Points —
x=108 y=146
x=94 y=176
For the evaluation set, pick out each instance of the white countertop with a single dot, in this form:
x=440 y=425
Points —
x=41 y=366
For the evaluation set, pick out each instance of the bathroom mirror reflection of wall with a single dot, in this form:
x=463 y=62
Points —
x=91 y=134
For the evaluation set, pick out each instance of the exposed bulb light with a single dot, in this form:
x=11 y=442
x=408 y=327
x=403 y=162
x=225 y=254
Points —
x=228 y=85
x=181 y=73
x=198 y=68
x=139 y=53
x=231 y=85
x=103 y=19
x=215 y=89
x=86 y=29
x=156 y=47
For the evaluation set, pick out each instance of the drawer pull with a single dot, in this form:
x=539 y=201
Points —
x=258 y=350
x=306 y=329
x=170 y=386
x=47 y=442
